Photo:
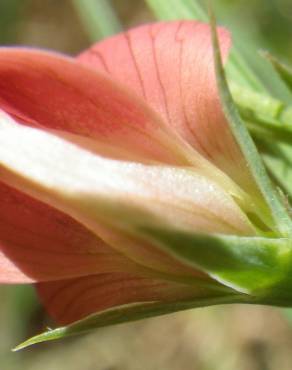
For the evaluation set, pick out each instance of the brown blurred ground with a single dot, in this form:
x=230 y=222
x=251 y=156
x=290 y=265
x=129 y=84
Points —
x=221 y=338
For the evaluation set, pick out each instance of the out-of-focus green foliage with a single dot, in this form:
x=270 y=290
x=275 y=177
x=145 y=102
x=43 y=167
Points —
x=98 y=17
x=10 y=16
x=269 y=21
x=248 y=22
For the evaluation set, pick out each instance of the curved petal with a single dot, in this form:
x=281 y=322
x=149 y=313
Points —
x=39 y=243
x=74 y=299
x=107 y=194
x=170 y=65
x=52 y=91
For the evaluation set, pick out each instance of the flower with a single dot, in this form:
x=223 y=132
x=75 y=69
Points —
x=130 y=134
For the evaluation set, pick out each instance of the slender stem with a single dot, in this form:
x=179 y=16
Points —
x=98 y=17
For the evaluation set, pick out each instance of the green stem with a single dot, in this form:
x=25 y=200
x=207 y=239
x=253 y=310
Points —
x=98 y=17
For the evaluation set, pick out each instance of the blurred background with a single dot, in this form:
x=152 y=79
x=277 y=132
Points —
x=225 y=337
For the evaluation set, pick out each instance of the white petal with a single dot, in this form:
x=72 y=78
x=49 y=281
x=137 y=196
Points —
x=95 y=190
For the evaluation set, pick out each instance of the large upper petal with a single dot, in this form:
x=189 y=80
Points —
x=170 y=65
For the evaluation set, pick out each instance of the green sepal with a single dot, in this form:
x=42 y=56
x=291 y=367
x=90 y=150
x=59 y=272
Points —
x=260 y=267
x=127 y=313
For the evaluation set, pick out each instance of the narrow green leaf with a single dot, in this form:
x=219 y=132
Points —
x=252 y=265
x=98 y=17
x=127 y=313
x=278 y=210
x=284 y=71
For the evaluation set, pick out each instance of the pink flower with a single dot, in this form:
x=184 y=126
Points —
x=129 y=133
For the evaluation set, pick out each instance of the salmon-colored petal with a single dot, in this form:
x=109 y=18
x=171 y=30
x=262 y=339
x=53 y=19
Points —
x=74 y=299
x=49 y=90
x=170 y=65
x=39 y=243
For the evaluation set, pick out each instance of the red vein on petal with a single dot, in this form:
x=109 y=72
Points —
x=75 y=311
x=109 y=293
x=101 y=58
x=156 y=66
x=132 y=54
x=180 y=41
x=37 y=235
x=83 y=283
